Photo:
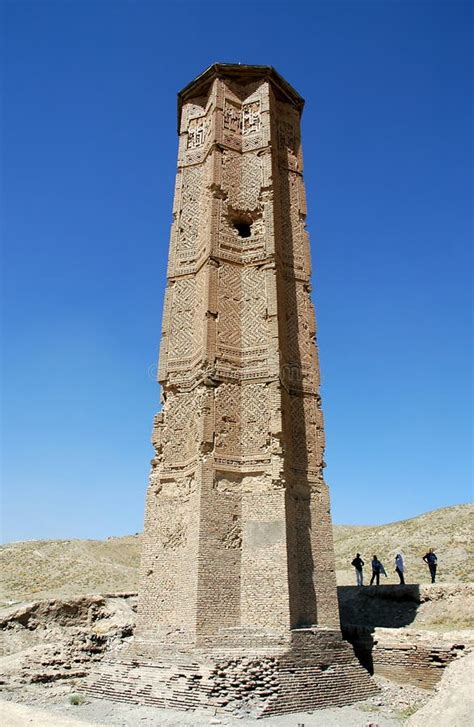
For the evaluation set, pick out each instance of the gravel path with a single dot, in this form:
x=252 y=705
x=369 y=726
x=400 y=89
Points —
x=98 y=713
x=20 y=715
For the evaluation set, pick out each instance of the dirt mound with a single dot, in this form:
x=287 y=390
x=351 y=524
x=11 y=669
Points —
x=50 y=640
x=453 y=703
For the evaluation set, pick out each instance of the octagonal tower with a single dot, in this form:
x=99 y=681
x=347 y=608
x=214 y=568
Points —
x=237 y=573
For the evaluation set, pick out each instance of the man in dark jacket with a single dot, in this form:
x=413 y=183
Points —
x=432 y=561
x=358 y=564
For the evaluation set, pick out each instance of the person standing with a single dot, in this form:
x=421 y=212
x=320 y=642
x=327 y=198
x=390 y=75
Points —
x=432 y=561
x=377 y=569
x=358 y=564
x=400 y=568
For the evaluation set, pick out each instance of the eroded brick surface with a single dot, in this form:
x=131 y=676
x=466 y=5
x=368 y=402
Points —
x=238 y=544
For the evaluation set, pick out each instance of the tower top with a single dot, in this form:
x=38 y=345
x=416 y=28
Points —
x=240 y=73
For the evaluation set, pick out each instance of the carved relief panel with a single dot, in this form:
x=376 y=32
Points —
x=227 y=420
x=197 y=134
x=242 y=180
x=192 y=186
x=253 y=309
x=192 y=226
x=181 y=431
x=288 y=137
x=300 y=364
x=303 y=433
x=186 y=315
x=232 y=124
x=198 y=131
x=255 y=431
x=251 y=118
x=245 y=123
x=242 y=420
x=242 y=331
x=229 y=304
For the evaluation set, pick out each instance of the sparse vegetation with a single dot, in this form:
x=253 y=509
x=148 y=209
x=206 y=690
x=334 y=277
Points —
x=77 y=699
x=408 y=711
x=368 y=707
x=49 y=568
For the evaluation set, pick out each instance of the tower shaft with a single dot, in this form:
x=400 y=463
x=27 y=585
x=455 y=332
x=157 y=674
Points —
x=237 y=601
x=238 y=531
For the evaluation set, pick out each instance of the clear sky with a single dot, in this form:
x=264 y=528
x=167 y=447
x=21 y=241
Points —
x=88 y=166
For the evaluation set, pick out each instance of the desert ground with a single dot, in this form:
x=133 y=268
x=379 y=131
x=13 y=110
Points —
x=65 y=605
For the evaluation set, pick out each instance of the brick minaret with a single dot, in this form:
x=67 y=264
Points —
x=237 y=548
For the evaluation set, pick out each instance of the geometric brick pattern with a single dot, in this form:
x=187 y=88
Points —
x=237 y=546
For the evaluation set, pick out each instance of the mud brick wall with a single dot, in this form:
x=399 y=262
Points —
x=416 y=658
x=417 y=664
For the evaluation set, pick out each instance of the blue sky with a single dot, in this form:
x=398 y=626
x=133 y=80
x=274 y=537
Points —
x=88 y=164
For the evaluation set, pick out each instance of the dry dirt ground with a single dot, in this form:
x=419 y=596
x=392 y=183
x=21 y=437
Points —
x=453 y=702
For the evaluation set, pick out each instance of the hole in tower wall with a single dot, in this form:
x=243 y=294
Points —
x=244 y=229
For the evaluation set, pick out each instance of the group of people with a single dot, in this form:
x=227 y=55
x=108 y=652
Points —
x=377 y=568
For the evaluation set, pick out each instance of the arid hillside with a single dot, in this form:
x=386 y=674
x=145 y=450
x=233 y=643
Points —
x=38 y=569
x=448 y=530
x=53 y=568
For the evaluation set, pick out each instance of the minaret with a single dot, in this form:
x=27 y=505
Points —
x=237 y=548
x=238 y=530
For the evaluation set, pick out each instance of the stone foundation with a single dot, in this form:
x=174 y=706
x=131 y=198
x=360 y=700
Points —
x=421 y=665
x=316 y=669
x=416 y=658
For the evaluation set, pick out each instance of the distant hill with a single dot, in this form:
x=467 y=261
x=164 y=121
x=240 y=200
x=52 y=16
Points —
x=49 y=568
x=36 y=569
x=448 y=530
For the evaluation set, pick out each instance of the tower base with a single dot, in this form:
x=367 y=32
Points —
x=316 y=669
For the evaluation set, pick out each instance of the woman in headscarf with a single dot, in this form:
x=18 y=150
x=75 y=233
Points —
x=400 y=568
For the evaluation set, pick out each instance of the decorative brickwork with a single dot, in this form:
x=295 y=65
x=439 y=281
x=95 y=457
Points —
x=238 y=539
